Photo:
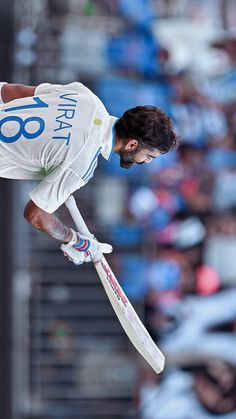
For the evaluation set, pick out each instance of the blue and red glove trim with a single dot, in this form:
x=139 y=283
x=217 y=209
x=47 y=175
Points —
x=82 y=246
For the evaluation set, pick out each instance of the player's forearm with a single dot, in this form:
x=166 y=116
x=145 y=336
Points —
x=54 y=227
x=15 y=91
x=47 y=223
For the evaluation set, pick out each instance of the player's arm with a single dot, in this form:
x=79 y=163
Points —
x=47 y=223
x=76 y=247
x=10 y=92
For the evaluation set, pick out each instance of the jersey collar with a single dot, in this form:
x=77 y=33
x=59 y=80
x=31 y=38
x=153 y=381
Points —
x=108 y=138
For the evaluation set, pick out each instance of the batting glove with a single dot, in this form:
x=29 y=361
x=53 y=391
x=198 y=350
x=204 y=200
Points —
x=84 y=249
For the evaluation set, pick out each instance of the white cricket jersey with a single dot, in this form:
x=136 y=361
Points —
x=57 y=136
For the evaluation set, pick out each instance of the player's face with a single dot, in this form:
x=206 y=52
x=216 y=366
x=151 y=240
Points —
x=139 y=156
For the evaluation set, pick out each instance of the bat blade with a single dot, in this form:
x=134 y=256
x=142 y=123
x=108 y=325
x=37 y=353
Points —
x=124 y=310
x=129 y=319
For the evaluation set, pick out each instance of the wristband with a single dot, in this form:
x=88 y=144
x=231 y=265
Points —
x=1 y=84
x=74 y=238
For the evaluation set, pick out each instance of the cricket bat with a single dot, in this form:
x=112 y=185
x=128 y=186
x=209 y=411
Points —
x=124 y=310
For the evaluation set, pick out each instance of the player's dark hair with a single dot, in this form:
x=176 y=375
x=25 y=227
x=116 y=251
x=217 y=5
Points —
x=150 y=126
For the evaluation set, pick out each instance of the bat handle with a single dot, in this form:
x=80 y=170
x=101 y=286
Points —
x=77 y=217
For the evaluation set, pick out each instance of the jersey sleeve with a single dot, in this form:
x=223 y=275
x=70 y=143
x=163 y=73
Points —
x=47 y=88
x=66 y=178
x=55 y=188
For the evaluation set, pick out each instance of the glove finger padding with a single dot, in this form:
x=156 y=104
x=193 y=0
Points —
x=77 y=257
x=105 y=248
x=97 y=255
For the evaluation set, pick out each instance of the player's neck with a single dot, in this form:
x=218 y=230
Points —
x=118 y=144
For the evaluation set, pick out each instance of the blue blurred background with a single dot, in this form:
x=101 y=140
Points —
x=172 y=224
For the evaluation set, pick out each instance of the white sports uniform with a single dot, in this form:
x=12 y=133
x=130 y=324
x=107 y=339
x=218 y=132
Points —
x=57 y=136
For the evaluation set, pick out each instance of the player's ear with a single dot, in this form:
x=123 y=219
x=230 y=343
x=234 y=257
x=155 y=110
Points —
x=132 y=144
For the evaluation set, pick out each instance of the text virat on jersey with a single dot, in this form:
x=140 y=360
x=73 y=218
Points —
x=66 y=112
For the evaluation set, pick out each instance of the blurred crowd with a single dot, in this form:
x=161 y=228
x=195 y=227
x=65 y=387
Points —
x=176 y=234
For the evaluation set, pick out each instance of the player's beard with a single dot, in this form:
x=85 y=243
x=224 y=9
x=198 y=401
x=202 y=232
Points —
x=127 y=158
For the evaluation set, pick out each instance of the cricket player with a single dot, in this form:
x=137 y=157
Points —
x=55 y=133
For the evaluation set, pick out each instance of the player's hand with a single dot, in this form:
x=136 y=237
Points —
x=72 y=254
x=92 y=248
x=84 y=249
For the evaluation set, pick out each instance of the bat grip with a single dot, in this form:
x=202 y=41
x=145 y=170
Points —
x=77 y=217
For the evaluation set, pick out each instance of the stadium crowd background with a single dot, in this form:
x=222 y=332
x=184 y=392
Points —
x=172 y=223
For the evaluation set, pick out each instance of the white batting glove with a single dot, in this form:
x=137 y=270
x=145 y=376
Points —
x=84 y=249
x=72 y=254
